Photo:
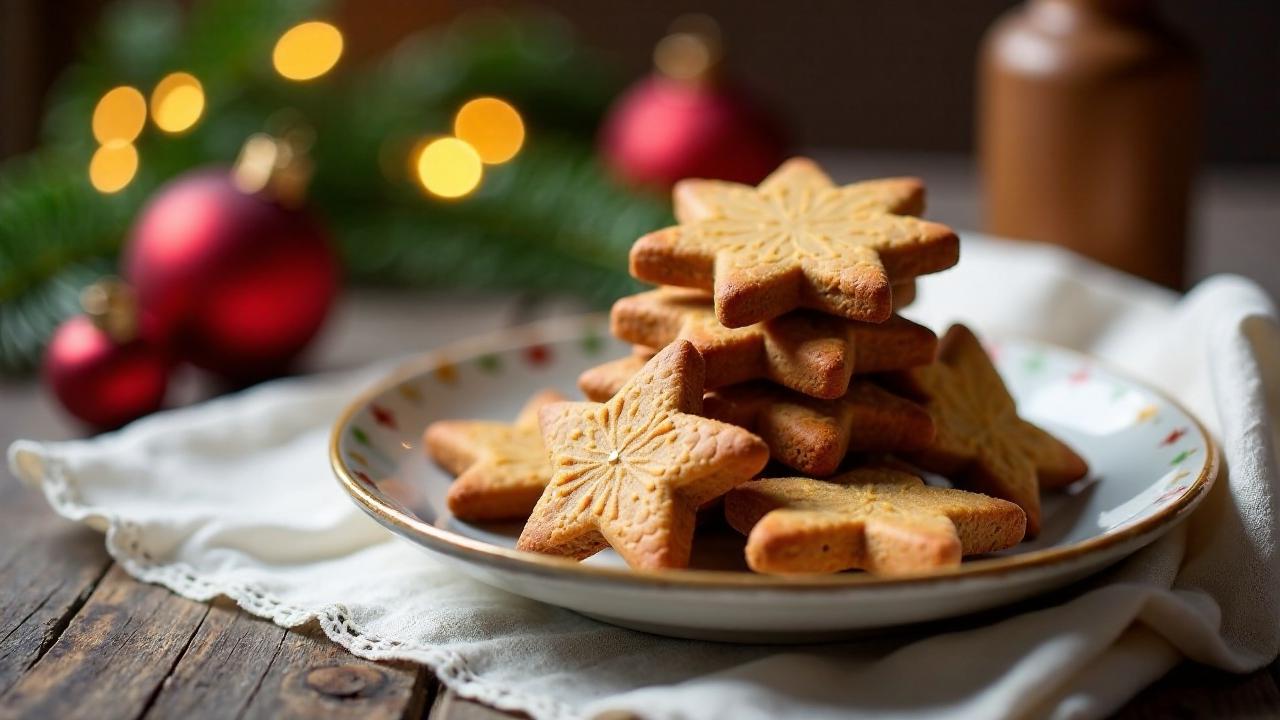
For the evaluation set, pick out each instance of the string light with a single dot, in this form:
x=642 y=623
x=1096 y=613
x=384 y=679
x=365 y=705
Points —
x=119 y=115
x=491 y=126
x=307 y=50
x=177 y=102
x=449 y=168
x=113 y=166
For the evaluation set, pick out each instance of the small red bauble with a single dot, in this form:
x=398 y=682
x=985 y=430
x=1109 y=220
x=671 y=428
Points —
x=104 y=383
x=235 y=282
x=663 y=130
x=683 y=121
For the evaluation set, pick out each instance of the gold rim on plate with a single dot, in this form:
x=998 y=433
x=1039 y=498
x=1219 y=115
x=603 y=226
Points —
x=466 y=548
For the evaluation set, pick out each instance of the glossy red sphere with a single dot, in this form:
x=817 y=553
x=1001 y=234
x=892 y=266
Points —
x=103 y=383
x=662 y=130
x=234 y=282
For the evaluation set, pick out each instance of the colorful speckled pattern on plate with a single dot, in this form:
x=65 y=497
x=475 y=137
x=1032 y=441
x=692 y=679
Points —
x=1150 y=462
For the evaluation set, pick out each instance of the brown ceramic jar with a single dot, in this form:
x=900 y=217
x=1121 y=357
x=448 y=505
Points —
x=1087 y=131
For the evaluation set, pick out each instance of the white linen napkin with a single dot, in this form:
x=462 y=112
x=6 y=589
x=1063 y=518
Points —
x=233 y=497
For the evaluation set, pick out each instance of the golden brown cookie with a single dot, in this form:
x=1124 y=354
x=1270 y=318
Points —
x=812 y=435
x=796 y=241
x=602 y=381
x=631 y=473
x=806 y=351
x=805 y=433
x=501 y=469
x=880 y=520
x=982 y=444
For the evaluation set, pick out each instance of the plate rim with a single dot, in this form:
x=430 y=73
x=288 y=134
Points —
x=562 y=328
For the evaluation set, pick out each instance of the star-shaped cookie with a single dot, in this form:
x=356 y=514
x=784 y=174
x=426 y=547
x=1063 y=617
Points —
x=797 y=240
x=809 y=434
x=631 y=473
x=982 y=444
x=814 y=436
x=501 y=468
x=804 y=350
x=880 y=520
x=604 y=380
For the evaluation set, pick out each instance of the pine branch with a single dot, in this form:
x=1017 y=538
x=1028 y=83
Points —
x=56 y=236
x=551 y=220
x=27 y=322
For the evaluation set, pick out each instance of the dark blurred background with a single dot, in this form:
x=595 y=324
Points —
x=1154 y=151
x=873 y=74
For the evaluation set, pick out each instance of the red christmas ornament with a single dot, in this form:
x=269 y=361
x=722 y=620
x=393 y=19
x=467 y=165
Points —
x=683 y=122
x=229 y=270
x=97 y=371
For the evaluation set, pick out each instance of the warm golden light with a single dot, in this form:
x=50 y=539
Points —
x=119 y=115
x=113 y=166
x=449 y=168
x=177 y=102
x=492 y=127
x=307 y=51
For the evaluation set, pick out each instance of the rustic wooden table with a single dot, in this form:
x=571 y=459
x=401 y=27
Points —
x=79 y=638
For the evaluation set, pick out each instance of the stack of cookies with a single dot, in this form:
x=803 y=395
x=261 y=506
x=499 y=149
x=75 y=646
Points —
x=772 y=340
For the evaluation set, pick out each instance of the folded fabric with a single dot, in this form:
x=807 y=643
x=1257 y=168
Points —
x=234 y=497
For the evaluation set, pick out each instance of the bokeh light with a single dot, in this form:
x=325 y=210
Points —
x=119 y=115
x=307 y=51
x=449 y=168
x=177 y=102
x=491 y=126
x=113 y=166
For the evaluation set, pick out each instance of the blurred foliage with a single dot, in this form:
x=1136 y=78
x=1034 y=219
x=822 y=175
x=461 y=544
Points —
x=549 y=220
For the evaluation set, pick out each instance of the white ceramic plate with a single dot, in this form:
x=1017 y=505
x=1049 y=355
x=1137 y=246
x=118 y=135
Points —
x=1151 y=463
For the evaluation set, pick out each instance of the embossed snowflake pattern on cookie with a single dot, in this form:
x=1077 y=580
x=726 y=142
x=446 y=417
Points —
x=797 y=240
x=632 y=472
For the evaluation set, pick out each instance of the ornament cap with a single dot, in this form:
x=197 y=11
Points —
x=112 y=307
x=278 y=166
x=692 y=50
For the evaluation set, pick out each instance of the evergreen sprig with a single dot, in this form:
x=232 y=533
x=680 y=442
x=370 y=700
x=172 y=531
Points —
x=56 y=236
x=551 y=220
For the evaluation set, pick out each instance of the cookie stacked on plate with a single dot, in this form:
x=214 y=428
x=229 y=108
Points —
x=788 y=291
x=773 y=337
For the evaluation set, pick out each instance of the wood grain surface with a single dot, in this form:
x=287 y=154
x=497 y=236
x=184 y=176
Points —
x=79 y=638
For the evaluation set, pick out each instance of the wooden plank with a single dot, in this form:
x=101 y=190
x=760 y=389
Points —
x=311 y=676
x=240 y=665
x=112 y=657
x=223 y=666
x=1196 y=691
x=48 y=568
